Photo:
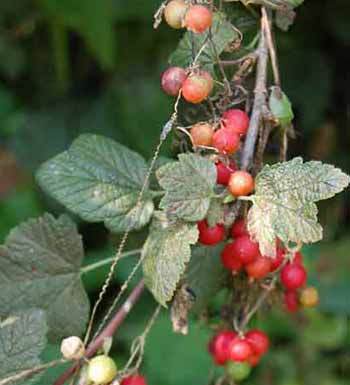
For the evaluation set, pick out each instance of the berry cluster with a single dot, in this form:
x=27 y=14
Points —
x=239 y=353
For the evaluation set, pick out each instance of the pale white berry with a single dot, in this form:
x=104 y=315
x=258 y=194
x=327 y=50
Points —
x=72 y=348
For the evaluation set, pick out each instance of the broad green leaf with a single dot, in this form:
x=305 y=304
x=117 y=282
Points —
x=40 y=264
x=22 y=339
x=188 y=185
x=205 y=274
x=283 y=204
x=223 y=34
x=99 y=180
x=165 y=255
x=280 y=106
x=215 y=213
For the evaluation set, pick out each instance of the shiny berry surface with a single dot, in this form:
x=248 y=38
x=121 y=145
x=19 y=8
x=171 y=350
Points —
x=198 y=19
x=202 y=134
x=219 y=346
x=259 y=268
x=174 y=13
x=236 y=120
x=135 y=379
x=226 y=142
x=229 y=258
x=101 y=370
x=293 y=276
x=241 y=183
x=245 y=249
x=240 y=350
x=197 y=87
x=258 y=340
x=172 y=80
x=210 y=235
x=224 y=172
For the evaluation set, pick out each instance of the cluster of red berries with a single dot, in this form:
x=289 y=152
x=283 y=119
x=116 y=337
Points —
x=135 y=379
x=180 y=14
x=238 y=352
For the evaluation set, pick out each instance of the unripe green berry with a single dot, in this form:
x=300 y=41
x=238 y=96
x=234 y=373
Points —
x=101 y=370
x=238 y=371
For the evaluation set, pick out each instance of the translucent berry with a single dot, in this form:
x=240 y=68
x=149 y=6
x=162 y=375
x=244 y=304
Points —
x=173 y=79
x=224 y=172
x=241 y=183
x=226 y=142
x=174 y=13
x=245 y=249
x=236 y=120
x=198 y=18
x=239 y=349
x=309 y=297
x=258 y=340
x=238 y=371
x=197 y=87
x=101 y=370
x=210 y=235
x=291 y=300
x=219 y=346
x=239 y=228
x=259 y=268
x=229 y=259
x=202 y=134
x=293 y=276
x=135 y=379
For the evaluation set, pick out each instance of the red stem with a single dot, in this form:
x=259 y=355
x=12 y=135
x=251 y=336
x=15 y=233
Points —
x=108 y=331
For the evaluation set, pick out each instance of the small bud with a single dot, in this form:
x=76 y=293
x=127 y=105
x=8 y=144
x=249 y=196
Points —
x=72 y=348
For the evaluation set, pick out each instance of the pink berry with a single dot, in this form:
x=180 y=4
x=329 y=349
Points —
x=258 y=340
x=259 y=268
x=245 y=249
x=236 y=120
x=229 y=259
x=173 y=79
x=198 y=19
x=225 y=141
x=293 y=276
x=224 y=172
x=197 y=87
x=210 y=235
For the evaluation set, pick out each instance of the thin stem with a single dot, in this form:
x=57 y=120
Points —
x=107 y=261
x=108 y=331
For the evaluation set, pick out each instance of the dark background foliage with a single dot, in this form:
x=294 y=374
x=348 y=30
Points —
x=73 y=66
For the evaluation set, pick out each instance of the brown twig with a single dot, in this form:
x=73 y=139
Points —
x=108 y=331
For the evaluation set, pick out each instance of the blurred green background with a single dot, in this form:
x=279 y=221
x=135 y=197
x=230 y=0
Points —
x=73 y=66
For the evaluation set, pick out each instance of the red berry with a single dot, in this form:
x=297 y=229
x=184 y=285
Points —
x=240 y=350
x=236 y=120
x=198 y=18
x=239 y=228
x=133 y=380
x=291 y=300
x=174 y=13
x=245 y=249
x=219 y=346
x=259 y=268
x=201 y=134
x=197 y=87
x=253 y=360
x=226 y=141
x=172 y=80
x=210 y=235
x=258 y=340
x=229 y=259
x=278 y=260
x=293 y=276
x=224 y=172
x=241 y=183
x=298 y=258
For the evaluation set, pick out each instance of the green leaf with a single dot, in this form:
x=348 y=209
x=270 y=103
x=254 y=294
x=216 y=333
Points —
x=205 y=274
x=215 y=213
x=99 y=180
x=22 y=339
x=165 y=255
x=223 y=34
x=40 y=264
x=280 y=106
x=188 y=185
x=283 y=204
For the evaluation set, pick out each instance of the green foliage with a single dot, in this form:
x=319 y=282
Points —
x=222 y=34
x=99 y=180
x=166 y=253
x=284 y=202
x=22 y=339
x=40 y=263
x=188 y=185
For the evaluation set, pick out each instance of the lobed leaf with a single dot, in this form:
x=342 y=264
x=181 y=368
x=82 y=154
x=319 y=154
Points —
x=99 y=180
x=188 y=185
x=165 y=255
x=40 y=268
x=22 y=340
x=283 y=204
